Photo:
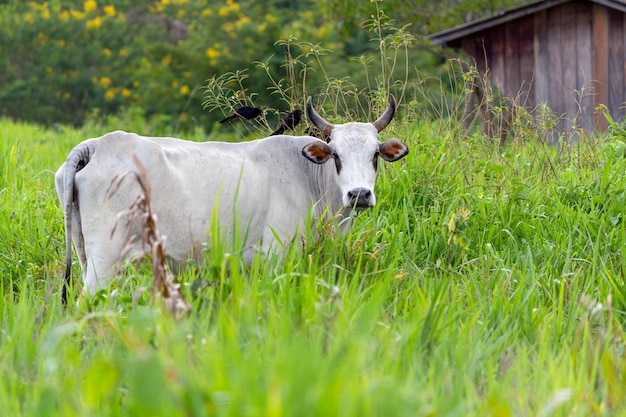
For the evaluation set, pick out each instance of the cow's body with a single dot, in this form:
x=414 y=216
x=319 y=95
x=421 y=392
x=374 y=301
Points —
x=260 y=192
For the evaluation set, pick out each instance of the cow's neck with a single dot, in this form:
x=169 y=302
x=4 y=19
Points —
x=327 y=198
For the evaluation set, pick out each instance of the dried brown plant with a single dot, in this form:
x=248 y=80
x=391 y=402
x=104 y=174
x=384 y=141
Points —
x=153 y=245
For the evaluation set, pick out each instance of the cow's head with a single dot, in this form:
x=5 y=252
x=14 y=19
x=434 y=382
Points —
x=355 y=149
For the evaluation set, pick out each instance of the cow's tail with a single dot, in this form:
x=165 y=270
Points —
x=77 y=159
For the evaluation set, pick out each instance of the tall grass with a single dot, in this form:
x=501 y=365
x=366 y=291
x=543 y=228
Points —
x=488 y=281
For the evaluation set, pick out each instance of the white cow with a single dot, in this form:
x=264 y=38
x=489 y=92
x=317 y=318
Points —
x=266 y=187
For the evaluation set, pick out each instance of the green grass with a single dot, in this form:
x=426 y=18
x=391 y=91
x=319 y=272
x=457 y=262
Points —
x=487 y=282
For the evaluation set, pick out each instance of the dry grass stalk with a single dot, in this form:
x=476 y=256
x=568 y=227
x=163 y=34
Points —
x=153 y=245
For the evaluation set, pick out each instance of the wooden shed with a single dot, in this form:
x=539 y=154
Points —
x=568 y=54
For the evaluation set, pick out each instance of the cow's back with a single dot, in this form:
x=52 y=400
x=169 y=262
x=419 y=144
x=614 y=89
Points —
x=190 y=182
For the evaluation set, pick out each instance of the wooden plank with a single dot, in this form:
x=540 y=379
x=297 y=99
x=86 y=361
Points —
x=496 y=55
x=616 y=65
x=473 y=47
x=540 y=49
x=467 y=45
x=481 y=53
x=569 y=62
x=600 y=48
x=555 y=65
x=584 y=67
x=482 y=43
x=511 y=56
x=527 y=62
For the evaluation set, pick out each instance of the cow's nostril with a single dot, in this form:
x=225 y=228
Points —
x=359 y=192
x=360 y=197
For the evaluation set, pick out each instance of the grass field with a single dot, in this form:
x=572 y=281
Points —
x=487 y=282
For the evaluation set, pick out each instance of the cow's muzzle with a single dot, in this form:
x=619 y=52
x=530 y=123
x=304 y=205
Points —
x=360 y=198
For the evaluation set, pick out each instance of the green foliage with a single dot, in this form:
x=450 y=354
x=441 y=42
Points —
x=63 y=59
x=70 y=61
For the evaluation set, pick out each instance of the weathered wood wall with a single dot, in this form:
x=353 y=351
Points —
x=570 y=57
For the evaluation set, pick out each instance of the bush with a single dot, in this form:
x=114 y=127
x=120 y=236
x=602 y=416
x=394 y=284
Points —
x=66 y=61
x=65 y=58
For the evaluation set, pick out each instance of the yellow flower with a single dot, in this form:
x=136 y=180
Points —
x=126 y=92
x=231 y=7
x=174 y=83
x=135 y=84
x=184 y=90
x=322 y=31
x=77 y=15
x=212 y=53
x=94 y=23
x=123 y=53
x=109 y=95
x=106 y=52
x=109 y=10
x=66 y=95
x=206 y=12
x=229 y=28
x=105 y=82
x=45 y=14
x=90 y=5
x=167 y=59
x=64 y=16
x=244 y=20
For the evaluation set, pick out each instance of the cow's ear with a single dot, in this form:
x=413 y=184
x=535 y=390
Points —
x=317 y=152
x=392 y=150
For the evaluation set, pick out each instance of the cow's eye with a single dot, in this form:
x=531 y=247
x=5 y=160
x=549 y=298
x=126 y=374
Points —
x=337 y=162
x=375 y=161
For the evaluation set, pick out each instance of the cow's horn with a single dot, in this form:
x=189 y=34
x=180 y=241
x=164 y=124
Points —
x=317 y=120
x=386 y=117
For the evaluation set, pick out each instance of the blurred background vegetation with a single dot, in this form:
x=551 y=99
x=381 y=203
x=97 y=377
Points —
x=69 y=62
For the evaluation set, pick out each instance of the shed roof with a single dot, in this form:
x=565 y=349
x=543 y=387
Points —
x=458 y=32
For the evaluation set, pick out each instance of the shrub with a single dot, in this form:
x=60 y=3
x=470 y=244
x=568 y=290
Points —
x=65 y=61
